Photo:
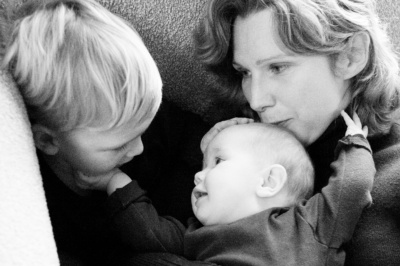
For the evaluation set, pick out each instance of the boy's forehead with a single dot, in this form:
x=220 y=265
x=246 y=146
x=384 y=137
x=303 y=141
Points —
x=113 y=136
x=129 y=125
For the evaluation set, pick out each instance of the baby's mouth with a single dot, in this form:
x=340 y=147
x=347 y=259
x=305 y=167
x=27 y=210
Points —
x=199 y=194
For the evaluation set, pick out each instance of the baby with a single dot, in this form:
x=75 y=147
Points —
x=253 y=202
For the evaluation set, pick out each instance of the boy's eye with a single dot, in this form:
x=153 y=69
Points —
x=122 y=148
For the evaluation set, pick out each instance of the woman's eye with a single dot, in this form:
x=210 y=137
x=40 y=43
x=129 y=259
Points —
x=277 y=69
x=243 y=73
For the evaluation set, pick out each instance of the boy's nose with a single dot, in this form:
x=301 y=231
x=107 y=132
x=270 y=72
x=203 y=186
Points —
x=135 y=148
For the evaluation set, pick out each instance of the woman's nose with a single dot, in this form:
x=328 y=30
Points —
x=259 y=94
x=135 y=148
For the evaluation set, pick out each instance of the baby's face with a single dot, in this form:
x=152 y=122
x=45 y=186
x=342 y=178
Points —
x=226 y=187
x=95 y=152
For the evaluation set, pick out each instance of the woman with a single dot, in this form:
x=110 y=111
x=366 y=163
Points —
x=298 y=64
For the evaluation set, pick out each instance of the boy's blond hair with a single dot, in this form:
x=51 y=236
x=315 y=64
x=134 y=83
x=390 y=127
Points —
x=80 y=66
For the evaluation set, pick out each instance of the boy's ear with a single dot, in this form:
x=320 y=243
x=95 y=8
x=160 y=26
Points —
x=45 y=139
x=354 y=58
x=272 y=180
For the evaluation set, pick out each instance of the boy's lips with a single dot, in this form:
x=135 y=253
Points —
x=124 y=162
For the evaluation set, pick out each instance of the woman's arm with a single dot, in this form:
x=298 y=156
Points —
x=335 y=211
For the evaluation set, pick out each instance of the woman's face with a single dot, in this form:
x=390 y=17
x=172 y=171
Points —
x=298 y=92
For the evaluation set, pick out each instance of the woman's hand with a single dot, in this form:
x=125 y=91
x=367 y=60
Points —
x=220 y=126
x=354 y=125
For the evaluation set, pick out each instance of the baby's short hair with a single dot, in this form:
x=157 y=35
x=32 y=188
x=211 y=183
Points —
x=280 y=145
x=78 y=65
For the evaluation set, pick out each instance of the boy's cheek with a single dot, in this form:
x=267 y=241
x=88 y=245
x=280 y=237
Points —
x=96 y=165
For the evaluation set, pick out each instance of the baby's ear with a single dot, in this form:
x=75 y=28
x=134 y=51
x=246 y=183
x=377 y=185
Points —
x=272 y=180
x=45 y=139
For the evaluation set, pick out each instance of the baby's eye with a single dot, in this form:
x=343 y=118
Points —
x=218 y=160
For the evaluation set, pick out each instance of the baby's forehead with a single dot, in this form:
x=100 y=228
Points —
x=252 y=136
x=243 y=131
x=242 y=141
x=233 y=137
x=230 y=133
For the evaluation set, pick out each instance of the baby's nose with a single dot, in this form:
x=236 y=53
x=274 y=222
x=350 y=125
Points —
x=198 y=177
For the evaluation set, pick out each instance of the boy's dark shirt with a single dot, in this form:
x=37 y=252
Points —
x=78 y=222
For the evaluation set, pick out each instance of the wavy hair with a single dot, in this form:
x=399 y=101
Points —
x=310 y=27
x=78 y=65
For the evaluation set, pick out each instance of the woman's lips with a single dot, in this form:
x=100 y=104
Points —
x=282 y=123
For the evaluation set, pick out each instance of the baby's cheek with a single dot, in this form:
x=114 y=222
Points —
x=193 y=200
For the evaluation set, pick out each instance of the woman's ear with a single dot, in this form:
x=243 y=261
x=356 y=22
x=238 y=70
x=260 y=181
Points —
x=272 y=180
x=354 y=58
x=45 y=139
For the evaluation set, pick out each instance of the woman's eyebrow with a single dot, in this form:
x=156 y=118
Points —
x=275 y=57
x=263 y=60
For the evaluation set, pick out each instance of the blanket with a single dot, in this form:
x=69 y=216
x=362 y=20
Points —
x=26 y=236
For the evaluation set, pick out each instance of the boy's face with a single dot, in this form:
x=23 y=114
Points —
x=226 y=187
x=95 y=152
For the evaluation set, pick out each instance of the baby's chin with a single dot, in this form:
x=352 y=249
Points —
x=198 y=216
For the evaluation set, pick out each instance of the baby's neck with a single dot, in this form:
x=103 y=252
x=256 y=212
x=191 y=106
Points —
x=281 y=200
x=65 y=173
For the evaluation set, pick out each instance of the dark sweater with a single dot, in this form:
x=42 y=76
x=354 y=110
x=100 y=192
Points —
x=310 y=233
x=79 y=224
x=376 y=240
